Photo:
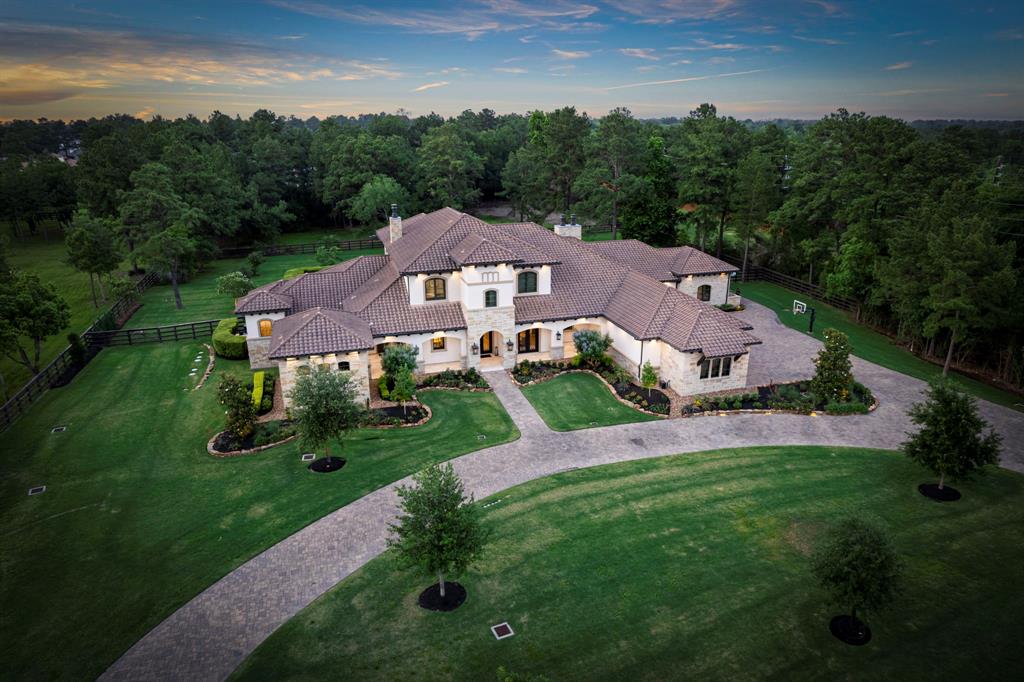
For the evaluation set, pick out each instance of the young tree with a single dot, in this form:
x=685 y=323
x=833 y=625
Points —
x=398 y=358
x=439 y=528
x=29 y=309
x=325 y=407
x=234 y=284
x=237 y=400
x=253 y=262
x=405 y=387
x=950 y=441
x=859 y=568
x=833 y=370
x=93 y=248
x=648 y=376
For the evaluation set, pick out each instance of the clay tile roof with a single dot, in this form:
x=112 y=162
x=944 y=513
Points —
x=475 y=250
x=318 y=331
x=664 y=265
x=263 y=300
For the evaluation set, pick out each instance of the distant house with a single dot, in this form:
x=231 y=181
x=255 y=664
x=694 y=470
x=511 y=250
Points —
x=469 y=294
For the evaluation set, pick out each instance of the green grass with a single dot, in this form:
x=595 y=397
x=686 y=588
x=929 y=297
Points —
x=867 y=343
x=572 y=401
x=688 y=567
x=199 y=295
x=314 y=235
x=138 y=518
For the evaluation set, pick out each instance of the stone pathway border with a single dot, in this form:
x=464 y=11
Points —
x=207 y=638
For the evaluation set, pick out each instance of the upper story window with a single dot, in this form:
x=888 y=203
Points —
x=435 y=289
x=704 y=292
x=527 y=282
x=490 y=298
x=266 y=327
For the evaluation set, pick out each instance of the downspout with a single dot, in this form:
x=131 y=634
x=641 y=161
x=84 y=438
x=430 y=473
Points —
x=640 y=367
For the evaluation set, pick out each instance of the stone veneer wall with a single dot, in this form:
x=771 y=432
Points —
x=719 y=287
x=258 y=350
x=359 y=369
x=683 y=370
x=501 y=320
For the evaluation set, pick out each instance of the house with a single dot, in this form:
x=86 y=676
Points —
x=466 y=293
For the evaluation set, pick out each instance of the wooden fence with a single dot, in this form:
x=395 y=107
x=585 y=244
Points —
x=292 y=249
x=758 y=272
x=134 y=337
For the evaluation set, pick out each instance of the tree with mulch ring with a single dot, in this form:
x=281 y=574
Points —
x=324 y=405
x=439 y=532
x=950 y=442
x=858 y=566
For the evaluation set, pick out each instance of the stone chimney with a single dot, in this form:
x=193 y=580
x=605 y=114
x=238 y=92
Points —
x=395 y=227
x=570 y=229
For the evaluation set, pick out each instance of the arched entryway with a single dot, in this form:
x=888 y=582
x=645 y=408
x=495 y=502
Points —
x=492 y=348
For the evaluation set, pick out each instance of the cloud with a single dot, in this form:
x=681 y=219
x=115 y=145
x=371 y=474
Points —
x=685 y=80
x=905 y=34
x=831 y=9
x=564 y=67
x=929 y=42
x=671 y=11
x=645 y=69
x=703 y=45
x=299 y=36
x=681 y=61
x=820 y=41
x=898 y=66
x=1010 y=34
x=145 y=113
x=569 y=54
x=721 y=60
x=24 y=96
x=510 y=69
x=996 y=94
x=640 y=53
x=430 y=86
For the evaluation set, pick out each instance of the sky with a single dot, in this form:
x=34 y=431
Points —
x=753 y=59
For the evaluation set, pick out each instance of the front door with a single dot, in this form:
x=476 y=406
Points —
x=486 y=349
x=529 y=340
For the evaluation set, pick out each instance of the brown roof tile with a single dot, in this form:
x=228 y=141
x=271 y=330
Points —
x=318 y=331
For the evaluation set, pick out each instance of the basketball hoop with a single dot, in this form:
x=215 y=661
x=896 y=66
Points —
x=799 y=307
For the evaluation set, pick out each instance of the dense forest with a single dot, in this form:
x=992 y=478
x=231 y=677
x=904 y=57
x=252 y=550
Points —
x=920 y=223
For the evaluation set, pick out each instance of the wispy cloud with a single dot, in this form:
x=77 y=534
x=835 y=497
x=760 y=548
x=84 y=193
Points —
x=671 y=11
x=898 y=66
x=510 y=69
x=145 y=113
x=1010 y=34
x=431 y=86
x=570 y=54
x=640 y=53
x=906 y=34
x=820 y=41
x=685 y=80
x=563 y=67
x=299 y=36
x=721 y=60
x=831 y=9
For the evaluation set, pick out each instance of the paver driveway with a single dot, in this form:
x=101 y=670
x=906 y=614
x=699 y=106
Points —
x=209 y=636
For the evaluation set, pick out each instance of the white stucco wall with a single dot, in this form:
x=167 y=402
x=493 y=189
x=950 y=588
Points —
x=719 y=286
x=417 y=295
x=476 y=281
x=252 y=323
x=543 y=279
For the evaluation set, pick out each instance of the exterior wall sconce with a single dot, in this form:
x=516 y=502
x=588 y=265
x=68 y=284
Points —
x=508 y=345
x=558 y=336
x=475 y=348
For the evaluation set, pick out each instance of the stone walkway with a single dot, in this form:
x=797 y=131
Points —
x=211 y=635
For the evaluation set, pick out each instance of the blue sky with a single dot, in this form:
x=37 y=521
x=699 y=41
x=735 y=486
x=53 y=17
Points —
x=765 y=59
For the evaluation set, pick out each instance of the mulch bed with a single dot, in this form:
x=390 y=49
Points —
x=327 y=465
x=431 y=599
x=851 y=630
x=653 y=396
x=409 y=415
x=932 y=492
x=225 y=443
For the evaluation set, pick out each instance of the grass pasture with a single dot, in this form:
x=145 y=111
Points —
x=688 y=567
x=137 y=518
x=574 y=401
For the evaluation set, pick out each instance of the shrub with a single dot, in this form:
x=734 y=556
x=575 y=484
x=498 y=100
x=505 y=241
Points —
x=234 y=284
x=861 y=393
x=833 y=370
x=257 y=388
x=846 y=408
x=659 y=408
x=591 y=345
x=648 y=377
x=382 y=386
x=737 y=404
x=77 y=349
x=398 y=357
x=228 y=344
x=238 y=402
x=253 y=262
x=292 y=273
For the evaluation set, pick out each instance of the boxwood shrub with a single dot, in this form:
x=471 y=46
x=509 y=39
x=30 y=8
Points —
x=257 y=389
x=228 y=344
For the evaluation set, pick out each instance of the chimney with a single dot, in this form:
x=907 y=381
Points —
x=570 y=229
x=395 y=226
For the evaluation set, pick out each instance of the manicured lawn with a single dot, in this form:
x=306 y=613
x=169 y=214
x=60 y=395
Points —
x=689 y=567
x=200 y=297
x=138 y=518
x=867 y=343
x=573 y=401
x=314 y=235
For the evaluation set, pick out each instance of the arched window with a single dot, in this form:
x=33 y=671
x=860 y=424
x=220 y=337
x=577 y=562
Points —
x=434 y=289
x=490 y=298
x=527 y=282
x=704 y=292
x=266 y=327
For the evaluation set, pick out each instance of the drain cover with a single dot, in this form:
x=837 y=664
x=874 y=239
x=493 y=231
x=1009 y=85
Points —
x=38 y=490
x=637 y=441
x=502 y=630
x=58 y=429
x=308 y=457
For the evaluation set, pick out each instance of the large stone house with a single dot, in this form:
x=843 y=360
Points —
x=466 y=293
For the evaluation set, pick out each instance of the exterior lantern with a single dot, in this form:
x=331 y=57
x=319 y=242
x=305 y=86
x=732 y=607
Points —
x=475 y=348
x=558 y=335
x=508 y=344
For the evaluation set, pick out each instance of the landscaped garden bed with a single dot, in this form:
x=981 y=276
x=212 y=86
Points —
x=396 y=415
x=264 y=435
x=458 y=379
x=620 y=381
x=795 y=397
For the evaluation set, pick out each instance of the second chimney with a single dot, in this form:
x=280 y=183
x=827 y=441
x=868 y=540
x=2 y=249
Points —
x=395 y=225
x=570 y=229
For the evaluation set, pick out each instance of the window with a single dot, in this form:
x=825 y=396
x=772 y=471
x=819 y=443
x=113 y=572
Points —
x=529 y=340
x=438 y=344
x=266 y=327
x=434 y=289
x=712 y=368
x=488 y=276
x=344 y=367
x=303 y=371
x=527 y=282
x=704 y=292
x=490 y=298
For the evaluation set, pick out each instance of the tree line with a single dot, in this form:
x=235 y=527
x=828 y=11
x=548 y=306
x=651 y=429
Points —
x=917 y=223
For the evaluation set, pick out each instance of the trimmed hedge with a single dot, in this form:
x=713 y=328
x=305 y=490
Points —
x=382 y=386
x=228 y=344
x=292 y=273
x=257 y=388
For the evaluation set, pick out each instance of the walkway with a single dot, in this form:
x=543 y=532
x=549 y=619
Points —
x=211 y=635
